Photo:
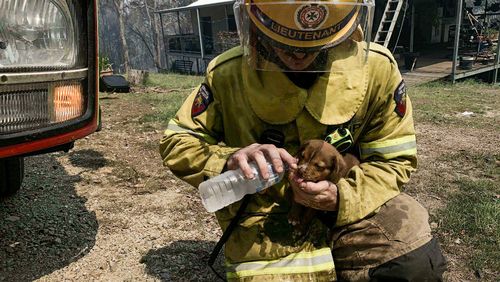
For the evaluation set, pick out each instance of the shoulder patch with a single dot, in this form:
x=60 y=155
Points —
x=400 y=99
x=203 y=98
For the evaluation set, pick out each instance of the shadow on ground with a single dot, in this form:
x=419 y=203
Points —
x=87 y=159
x=46 y=226
x=184 y=260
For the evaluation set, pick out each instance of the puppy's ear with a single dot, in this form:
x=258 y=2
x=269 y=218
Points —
x=338 y=168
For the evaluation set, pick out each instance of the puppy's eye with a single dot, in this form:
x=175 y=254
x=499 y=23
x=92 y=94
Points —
x=319 y=167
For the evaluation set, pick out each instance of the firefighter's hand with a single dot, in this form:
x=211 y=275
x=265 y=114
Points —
x=259 y=153
x=321 y=195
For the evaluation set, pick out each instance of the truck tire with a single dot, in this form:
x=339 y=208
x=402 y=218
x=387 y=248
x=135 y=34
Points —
x=11 y=175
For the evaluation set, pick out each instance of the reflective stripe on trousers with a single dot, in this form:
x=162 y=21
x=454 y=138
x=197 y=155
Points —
x=320 y=260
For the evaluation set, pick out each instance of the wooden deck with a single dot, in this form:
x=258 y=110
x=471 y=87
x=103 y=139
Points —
x=432 y=68
x=426 y=72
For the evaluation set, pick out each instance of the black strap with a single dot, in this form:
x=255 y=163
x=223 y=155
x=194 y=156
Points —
x=226 y=234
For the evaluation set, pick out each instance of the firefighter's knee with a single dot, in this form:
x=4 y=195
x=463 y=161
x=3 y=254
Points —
x=426 y=263
x=375 y=246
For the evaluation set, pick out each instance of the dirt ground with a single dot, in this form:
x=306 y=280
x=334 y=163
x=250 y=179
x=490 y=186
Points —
x=109 y=211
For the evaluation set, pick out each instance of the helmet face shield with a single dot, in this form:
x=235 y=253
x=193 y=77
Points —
x=302 y=35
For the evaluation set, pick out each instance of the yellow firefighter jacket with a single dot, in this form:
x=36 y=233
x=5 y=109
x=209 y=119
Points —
x=235 y=104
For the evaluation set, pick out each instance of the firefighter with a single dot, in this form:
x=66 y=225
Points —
x=306 y=70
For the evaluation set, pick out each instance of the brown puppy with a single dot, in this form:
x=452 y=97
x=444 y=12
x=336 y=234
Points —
x=317 y=161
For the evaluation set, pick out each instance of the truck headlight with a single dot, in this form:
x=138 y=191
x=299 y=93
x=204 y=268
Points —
x=37 y=34
x=40 y=105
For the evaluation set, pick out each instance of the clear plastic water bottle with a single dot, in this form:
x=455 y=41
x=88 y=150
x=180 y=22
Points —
x=232 y=186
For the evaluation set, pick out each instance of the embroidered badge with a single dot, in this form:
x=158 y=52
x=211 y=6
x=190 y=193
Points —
x=400 y=99
x=201 y=101
x=311 y=16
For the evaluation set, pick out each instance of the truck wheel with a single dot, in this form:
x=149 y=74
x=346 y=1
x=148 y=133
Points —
x=11 y=175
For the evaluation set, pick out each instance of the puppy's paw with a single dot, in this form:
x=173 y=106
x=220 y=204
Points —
x=293 y=221
x=297 y=234
x=295 y=217
x=299 y=230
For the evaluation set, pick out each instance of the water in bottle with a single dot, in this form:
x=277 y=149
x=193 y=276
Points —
x=232 y=186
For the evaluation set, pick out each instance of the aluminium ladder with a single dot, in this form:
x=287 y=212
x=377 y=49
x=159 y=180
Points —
x=388 y=22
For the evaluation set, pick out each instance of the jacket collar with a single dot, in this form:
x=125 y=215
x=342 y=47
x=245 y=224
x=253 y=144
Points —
x=333 y=99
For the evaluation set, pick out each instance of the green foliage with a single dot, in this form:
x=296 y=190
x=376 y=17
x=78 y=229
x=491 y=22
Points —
x=173 y=81
x=167 y=106
x=176 y=88
x=104 y=63
x=473 y=215
x=472 y=212
x=466 y=179
x=445 y=103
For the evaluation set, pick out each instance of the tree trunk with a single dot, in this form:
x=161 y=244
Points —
x=137 y=77
x=154 y=28
x=119 y=5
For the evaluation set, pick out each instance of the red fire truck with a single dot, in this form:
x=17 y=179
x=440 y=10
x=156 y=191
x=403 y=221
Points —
x=48 y=80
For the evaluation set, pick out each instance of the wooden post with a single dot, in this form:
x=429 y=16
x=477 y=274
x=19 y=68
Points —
x=199 y=33
x=165 y=47
x=497 y=60
x=457 y=40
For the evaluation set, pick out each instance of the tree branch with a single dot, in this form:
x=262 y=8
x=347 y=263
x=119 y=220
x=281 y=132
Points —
x=143 y=39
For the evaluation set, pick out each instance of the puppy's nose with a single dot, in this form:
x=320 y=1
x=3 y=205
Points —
x=300 y=171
